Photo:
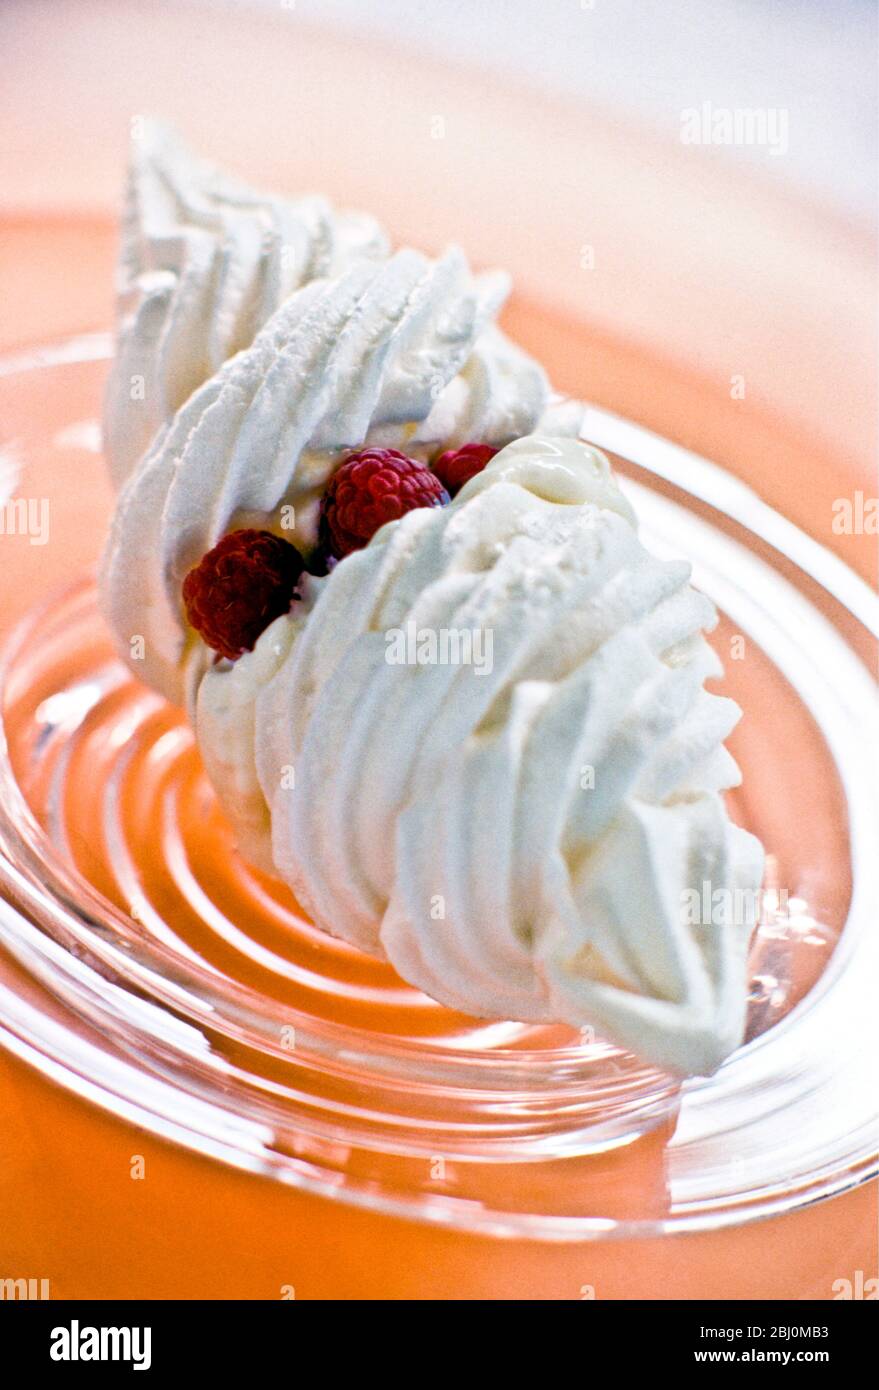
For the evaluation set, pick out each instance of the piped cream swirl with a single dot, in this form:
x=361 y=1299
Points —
x=516 y=840
x=516 y=834
x=205 y=261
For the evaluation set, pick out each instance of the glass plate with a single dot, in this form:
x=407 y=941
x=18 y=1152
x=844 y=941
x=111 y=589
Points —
x=145 y=967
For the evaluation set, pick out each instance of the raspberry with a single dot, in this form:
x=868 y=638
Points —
x=239 y=587
x=369 y=488
x=456 y=467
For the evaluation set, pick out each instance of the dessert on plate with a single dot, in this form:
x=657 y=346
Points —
x=440 y=686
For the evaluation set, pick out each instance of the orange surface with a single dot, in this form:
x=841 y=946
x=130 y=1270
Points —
x=700 y=273
x=193 y=1229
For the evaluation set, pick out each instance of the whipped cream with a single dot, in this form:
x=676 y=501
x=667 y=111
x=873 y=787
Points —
x=205 y=261
x=402 y=353
x=517 y=841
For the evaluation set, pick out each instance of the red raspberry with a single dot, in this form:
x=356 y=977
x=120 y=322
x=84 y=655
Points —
x=371 y=487
x=456 y=467
x=239 y=587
